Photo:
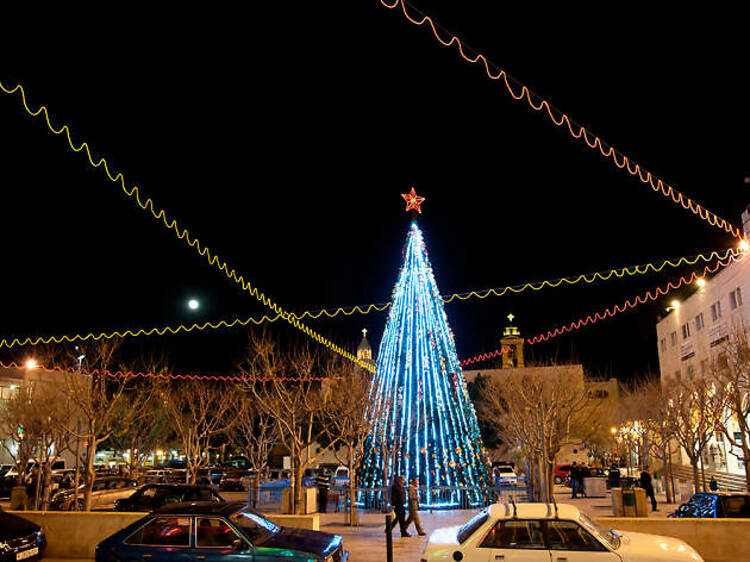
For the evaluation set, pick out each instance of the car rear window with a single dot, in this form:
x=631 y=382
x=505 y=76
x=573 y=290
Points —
x=736 y=506
x=470 y=528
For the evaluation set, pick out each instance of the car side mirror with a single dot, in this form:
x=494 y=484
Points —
x=237 y=545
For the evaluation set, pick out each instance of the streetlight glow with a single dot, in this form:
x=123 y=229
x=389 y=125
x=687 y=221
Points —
x=675 y=304
x=701 y=282
x=31 y=364
x=744 y=245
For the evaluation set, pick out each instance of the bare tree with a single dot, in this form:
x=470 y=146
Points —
x=198 y=411
x=254 y=435
x=297 y=406
x=731 y=375
x=350 y=413
x=539 y=412
x=647 y=422
x=96 y=398
x=693 y=408
x=17 y=415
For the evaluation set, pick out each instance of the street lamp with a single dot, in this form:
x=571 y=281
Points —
x=31 y=363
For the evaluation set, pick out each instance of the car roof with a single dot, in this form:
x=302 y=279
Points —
x=527 y=510
x=201 y=508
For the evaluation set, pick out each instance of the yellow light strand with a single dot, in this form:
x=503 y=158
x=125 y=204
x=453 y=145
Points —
x=589 y=278
x=182 y=232
x=575 y=130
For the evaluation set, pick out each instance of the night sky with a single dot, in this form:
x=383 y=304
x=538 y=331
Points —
x=283 y=137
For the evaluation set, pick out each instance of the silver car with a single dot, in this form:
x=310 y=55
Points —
x=104 y=493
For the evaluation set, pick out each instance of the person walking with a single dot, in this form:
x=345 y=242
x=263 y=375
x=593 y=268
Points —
x=413 y=493
x=648 y=485
x=397 y=505
x=583 y=473
x=574 y=476
x=323 y=483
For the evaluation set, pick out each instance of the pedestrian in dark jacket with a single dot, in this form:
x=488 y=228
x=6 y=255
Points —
x=575 y=476
x=323 y=483
x=647 y=485
x=398 y=498
x=413 y=493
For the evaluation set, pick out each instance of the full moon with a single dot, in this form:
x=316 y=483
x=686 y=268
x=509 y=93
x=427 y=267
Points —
x=193 y=304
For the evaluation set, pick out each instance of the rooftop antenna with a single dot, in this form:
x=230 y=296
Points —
x=515 y=510
x=554 y=502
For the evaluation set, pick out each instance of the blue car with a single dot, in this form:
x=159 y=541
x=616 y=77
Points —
x=216 y=532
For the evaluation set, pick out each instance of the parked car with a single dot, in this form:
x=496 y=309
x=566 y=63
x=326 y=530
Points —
x=234 y=479
x=216 y=531
x=20 y=539
x=562 y=473
x=538 y=532
x=154 y=496
x=156 y=475
x=506 y=475
x=715 y=505
x=104 y=493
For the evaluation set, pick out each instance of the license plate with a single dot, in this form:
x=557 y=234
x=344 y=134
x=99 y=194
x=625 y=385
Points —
x=27 y=553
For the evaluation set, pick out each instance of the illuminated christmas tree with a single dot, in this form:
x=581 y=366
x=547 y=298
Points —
x=426 y=425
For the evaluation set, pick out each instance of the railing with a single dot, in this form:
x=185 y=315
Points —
x=378 y=500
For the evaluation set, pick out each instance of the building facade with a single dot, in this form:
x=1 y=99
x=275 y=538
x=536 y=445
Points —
x=690 y=338
x=11 y=380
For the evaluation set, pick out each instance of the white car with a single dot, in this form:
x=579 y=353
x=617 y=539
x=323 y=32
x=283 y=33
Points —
x=539 y=532
x=506 y=476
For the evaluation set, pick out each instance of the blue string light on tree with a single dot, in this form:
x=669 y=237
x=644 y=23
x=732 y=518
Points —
x=427 y=426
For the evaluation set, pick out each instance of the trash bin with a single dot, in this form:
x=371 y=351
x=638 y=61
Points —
x=19 y=500
x=309 y=504
x=628 y=503
x=595 y=487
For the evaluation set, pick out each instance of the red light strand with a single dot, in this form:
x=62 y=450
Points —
x=649 y=296
x=484 y=356
x=168 y=376
x=559 y=118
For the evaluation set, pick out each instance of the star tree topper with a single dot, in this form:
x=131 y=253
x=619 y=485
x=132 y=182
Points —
x=413 y=201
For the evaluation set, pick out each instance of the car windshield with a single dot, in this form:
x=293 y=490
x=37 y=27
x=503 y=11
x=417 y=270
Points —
x=607 y=536
x=255 y=526
x=474 y=523
x=505 y=469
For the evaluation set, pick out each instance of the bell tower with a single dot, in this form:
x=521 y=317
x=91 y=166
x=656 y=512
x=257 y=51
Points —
x=512 y=345
x=364 y=351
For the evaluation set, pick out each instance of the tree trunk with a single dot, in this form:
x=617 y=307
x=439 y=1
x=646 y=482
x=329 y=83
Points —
x=297 y=505
x=46 y=486
x=696 y=478
x=352 y=493
x=90 y=474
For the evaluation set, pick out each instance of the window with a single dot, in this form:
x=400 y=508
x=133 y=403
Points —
x=569 y=535
x=735 y=298
x=254 y=525
x=690 y=374
x=716 y=311
x=685 y=331
x=198 y=494
x=148 y=493
x=704 y=367
x=699 y=322
x=472 y=525
x=214 y=533
x=515 y=533
x=677 y=376
x=673 y=339
x=663 y=344
x=163 y=531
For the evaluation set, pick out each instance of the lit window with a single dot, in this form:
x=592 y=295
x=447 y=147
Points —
x=685 y=331
x=699 y=322
x=735 y=298
x=716 y=311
